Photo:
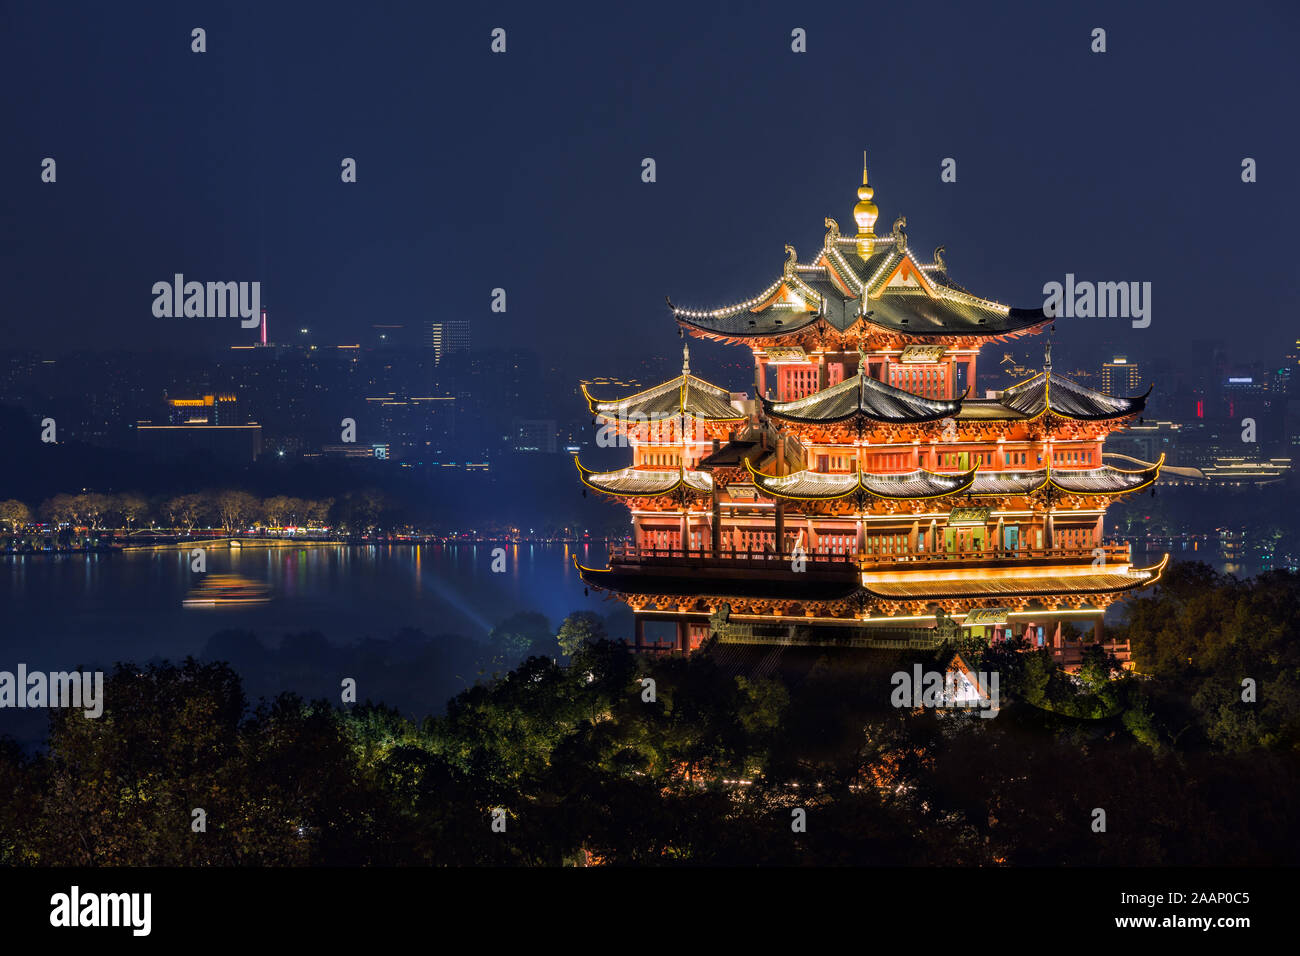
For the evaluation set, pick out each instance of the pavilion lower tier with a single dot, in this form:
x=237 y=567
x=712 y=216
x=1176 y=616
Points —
x=870 y=600
x=1039 y=628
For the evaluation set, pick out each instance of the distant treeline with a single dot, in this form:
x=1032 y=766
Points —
x=355 y=512
x=524 y=491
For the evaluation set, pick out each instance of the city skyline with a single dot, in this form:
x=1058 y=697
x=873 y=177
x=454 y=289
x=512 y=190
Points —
x=385 y=247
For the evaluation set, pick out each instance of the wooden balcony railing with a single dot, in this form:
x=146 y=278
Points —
x=816 y=560
x=732 y=559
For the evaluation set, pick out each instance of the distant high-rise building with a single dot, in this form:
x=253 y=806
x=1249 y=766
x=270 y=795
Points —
x=218 y=409
x=533 y=435
x=1121 y=377
x=447 y=339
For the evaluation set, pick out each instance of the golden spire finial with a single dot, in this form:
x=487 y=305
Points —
x=686 y=358
x=865 y=213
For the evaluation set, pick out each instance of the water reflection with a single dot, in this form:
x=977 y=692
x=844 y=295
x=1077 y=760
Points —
x=227 y=590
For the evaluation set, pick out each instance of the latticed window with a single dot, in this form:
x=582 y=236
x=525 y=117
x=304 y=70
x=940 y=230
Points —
x=797 y=381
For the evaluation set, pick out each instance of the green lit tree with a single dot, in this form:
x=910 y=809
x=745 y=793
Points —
x=579 y=629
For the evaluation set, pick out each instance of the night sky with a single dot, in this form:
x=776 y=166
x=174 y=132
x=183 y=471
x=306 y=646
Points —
x=523 y=170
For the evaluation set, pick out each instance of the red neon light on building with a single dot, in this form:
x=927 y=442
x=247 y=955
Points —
x=1200 y=408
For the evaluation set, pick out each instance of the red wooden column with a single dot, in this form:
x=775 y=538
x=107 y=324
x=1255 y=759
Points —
x=715 y=522
x=638 y=631
x=683 y=636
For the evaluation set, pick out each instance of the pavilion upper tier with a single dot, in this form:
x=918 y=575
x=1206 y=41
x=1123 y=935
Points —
x=866 y=291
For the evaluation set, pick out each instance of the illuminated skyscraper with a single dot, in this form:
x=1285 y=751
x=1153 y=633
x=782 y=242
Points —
x=1120 y=377
x=447 y=338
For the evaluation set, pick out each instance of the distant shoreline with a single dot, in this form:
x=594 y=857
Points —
x=231 y=544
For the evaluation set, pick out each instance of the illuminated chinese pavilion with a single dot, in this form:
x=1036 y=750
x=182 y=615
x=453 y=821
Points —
x=868 y=487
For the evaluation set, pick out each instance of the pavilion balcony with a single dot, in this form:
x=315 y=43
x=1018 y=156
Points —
x=838 y=563
x=731 y=560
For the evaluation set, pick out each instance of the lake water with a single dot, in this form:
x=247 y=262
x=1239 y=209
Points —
x=90 y=611
x=63 y=610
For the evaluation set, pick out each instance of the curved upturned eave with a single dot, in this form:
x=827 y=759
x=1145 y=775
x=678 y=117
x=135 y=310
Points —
x=968 y=476
x=1136 y=403
x=703 y=326
x=769 y=408
x=1151 y=474
x=584 y=472
x=607 y=579
x=699 y=326
x=682 y=410
x=1155 y=571
x=975 y=330
x=1047 y=477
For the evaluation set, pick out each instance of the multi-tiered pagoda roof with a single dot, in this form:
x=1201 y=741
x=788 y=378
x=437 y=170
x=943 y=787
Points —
x=866 y=483
x=843 y=291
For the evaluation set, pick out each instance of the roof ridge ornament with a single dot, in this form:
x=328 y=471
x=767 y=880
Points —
x=832 y=233
x=938 y=259
x=865 y=214
x=686 y=358
x=791 y=258
x=900 y=237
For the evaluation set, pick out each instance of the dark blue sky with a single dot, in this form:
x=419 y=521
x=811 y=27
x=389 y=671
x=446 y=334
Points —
x=523 y=170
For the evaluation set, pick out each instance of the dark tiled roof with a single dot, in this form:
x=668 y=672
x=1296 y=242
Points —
x=1090 y=481
x=748 y=446
x=988 y=409
x=913 y=315
x=1105 y=480
x=639 y=482
x=733 y=455
x=907 y=485
x=921 y=315
x=860 y=395
x=1068 y=399
x=954 y=312
x=1008 y=482
x=684 y=394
